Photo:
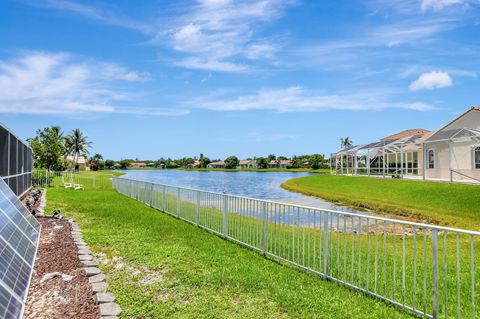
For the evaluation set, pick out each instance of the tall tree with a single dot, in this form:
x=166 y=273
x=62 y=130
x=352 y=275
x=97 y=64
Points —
x=262 y=162
x=48 y=147
x=231 y=162
x=204 y=161
x=77 y=145
x=96 y=158
x=316 y=160
x=345 y=142
x=109 y=164
x=96 y=162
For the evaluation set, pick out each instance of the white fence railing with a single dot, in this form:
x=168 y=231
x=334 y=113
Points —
x=58 y=179
x=428 y=270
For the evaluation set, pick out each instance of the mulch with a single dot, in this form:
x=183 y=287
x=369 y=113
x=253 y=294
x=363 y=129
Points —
x=58 y=298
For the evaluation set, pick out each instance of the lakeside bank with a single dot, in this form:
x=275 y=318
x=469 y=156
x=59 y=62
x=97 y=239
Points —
x=454 y=205
x=184 y=271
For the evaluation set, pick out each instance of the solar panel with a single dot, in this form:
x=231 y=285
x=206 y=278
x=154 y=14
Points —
x=19 y=235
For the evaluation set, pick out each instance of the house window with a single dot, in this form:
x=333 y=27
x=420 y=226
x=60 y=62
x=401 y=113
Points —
x=431 y=159
x=476 y=156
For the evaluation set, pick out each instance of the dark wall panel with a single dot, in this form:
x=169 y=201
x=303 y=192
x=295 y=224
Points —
x=13 y=155
x=16 y=162
x=3 y=152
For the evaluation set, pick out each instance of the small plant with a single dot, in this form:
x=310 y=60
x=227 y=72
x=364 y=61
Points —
x=43 y=178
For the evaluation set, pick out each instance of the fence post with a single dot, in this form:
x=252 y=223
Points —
x=325 y=244
x=198 y=208
x=164 y=199
x=151 y=194
x=225 y=216
x=435 y=274
x=178 y=202
x=264 y=228
x=93 y=180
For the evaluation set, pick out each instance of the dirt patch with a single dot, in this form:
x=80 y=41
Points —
x=59 y=298
x=145 y=275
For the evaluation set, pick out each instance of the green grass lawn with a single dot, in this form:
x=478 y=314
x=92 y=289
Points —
x=159 y=266
x=352 y=256
x=101 y=172
x=456 y=205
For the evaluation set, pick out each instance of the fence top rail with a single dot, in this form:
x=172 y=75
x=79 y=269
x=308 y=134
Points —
x=70 y=172
x=379 y=218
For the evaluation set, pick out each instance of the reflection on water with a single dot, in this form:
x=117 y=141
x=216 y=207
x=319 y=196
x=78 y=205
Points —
x=261 y=185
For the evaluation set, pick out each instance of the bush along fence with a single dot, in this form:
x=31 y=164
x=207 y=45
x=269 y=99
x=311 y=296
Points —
x=59 y=179
x=429 y=270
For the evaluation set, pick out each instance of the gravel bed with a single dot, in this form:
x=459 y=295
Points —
x=59 y=297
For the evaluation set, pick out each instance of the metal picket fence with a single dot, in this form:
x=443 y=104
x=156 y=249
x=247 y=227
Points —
x=426 y=269
x=43 y=178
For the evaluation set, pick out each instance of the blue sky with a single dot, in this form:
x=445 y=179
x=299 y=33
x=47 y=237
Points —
x=146 y=79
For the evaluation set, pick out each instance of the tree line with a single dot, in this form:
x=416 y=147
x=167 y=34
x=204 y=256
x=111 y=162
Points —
x=51 y=149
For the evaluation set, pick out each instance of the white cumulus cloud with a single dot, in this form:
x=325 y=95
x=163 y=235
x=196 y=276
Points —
x=215 y=34
x=438 y=4
x=299 y=99
x=56 y=83
x=430 y=81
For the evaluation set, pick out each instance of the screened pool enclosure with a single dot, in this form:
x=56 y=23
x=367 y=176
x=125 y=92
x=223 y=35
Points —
x=451 y=153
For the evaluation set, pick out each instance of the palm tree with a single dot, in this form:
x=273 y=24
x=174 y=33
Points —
x=345 y=142
x=96 y=158
x=77 y=145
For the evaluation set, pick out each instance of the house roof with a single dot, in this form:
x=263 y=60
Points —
x=138 y=163
x=217 y=163
x=246 y=161
x=404 y=137
x=406 y=133
x=280 y=162
x=80 y=159
x=454 y=133
x=473 y=108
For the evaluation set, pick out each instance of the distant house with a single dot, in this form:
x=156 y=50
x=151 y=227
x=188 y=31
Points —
x=247 y=164
x=219 y=164
x=279 y=163
x=305 y=165
x=137 y=165
x=81 y=162
x=193 y=165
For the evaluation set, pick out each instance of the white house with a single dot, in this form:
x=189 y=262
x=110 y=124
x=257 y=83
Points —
x=137 y=165
x=451 y=153
x=81 y=162
x=247 y=164
x=279 y=163
x=219 y=164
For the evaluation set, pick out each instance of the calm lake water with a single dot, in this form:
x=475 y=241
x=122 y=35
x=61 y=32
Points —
x=262 y=185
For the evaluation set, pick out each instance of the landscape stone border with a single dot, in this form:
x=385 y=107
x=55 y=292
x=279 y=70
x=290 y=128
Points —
x=106 y=301
x=43 y=203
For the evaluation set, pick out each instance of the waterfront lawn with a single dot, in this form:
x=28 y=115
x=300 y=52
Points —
x=456 y=205
x=159 y=266
x=100 y=172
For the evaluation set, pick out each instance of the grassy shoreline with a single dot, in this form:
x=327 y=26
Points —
x=183 y=271
x=455 y=205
